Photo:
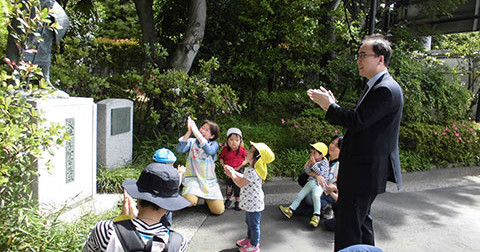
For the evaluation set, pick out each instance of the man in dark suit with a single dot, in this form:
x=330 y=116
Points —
x=369 y=155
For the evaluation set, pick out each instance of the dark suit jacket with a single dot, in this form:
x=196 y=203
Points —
x=369 y=155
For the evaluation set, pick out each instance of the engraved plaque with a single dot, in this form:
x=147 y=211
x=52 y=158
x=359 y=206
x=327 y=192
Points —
x=120 y=120
x=70 y=150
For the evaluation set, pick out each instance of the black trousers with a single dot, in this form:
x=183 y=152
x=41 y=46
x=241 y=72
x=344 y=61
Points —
x=235 y=188
x=353 y=222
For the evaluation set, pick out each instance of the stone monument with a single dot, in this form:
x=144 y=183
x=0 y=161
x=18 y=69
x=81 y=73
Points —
x=73 y=176
x=114 y=132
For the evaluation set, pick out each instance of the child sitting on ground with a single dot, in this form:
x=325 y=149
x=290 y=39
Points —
x=317 y=168
x=233 y=154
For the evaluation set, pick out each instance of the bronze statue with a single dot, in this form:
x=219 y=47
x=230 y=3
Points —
x=43 y=55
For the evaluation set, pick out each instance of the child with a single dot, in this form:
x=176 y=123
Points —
x=161 y=156
x=200 y=180
x=233 y=155
x=251 y=196
x=166 y=156
x=156 y=192
x=317 y=168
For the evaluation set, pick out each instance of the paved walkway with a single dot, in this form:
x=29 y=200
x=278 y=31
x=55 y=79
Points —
x=438 y=210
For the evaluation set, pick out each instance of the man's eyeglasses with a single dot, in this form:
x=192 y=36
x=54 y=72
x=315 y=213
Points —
x=363 y=55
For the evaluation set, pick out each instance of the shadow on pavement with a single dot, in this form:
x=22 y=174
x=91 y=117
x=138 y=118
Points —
x=444 y=219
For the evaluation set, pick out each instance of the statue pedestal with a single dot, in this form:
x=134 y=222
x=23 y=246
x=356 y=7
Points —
x=73 y=176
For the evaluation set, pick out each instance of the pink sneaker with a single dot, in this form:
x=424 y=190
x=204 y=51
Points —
x=250 y=248
x=243 y=242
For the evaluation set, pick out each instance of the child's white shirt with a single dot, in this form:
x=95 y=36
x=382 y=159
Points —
x=251 y=195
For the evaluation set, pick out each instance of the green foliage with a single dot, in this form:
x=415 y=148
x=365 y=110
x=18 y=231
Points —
x=166 y=99
x=462 y=44
x=454 y=144
x=118 y=20
x=342 y=79
x=430 y=96
x=113 y=55
x=170 y=21
x=92 y=67
x=163 y=99
x=411 y=161
x=273 y=135
x=308 y=130
x=25 y=137
x=73 y=70
x=31 y=230
x=464 y=47
x=264 y=43
x=5 y=7
x=434 y=8
x=273 y=106
x=289 y=162
x=110 y=181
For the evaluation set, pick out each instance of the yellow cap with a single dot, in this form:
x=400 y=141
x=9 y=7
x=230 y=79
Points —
x=321 y=147
x=266 y=157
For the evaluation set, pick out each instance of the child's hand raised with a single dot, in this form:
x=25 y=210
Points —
x=311 y=160
x=128 y=207
x=181 y=169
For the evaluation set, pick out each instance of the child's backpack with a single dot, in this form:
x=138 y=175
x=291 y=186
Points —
x=132 y=242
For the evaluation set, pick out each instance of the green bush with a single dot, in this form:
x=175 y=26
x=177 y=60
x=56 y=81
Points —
x=31 y=230
x=272 y=106
x=162 y=99
x=5 y=6
x=411 y=161
x=72 y=71
x=115 y=52
x=289 y=162
x=110 y=180
x=24 y=137
x=307 y=130
x=343 y=80
x=429 y=96
x=118 y=19
x=442 y=145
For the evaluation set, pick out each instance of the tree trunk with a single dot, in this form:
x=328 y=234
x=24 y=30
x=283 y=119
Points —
x=477 y=113
x=328 y=20
x=187 y=49
x=145 y=15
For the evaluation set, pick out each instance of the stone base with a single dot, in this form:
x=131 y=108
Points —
x=73 y=176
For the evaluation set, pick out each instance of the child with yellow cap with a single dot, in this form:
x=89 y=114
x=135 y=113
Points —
x=317 y=167
x=251 y=194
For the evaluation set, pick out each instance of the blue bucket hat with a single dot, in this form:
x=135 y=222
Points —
x=164 y=155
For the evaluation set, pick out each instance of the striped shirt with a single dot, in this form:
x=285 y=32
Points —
x=103 y=237
x=321 y=168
